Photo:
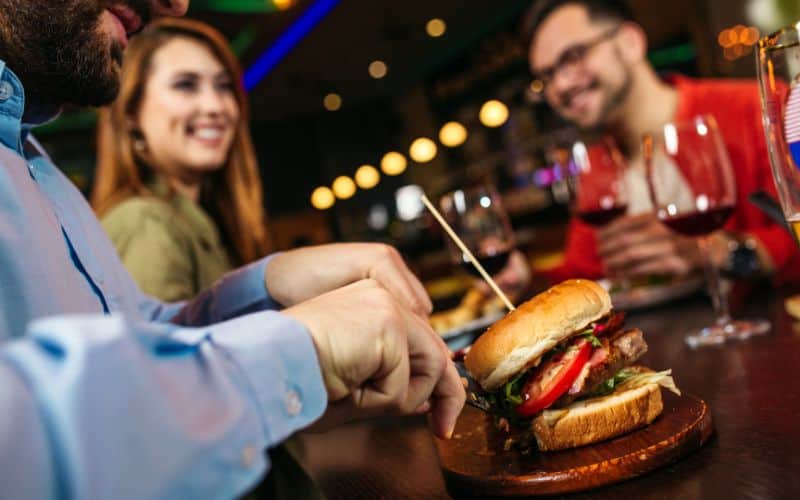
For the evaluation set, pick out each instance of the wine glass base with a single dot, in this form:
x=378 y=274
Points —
x=740 y=329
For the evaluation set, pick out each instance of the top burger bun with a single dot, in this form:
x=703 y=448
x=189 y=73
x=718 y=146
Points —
x=519 y=340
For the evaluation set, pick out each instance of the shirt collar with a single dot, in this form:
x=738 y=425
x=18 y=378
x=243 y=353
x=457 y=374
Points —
x=13 y=131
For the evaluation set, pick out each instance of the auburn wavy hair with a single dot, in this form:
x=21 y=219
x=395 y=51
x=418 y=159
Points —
x=231 y=195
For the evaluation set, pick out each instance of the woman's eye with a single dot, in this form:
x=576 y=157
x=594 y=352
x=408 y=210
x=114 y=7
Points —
x=225 y=86
x=184 y=85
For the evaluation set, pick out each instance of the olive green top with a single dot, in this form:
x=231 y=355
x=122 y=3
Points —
x=169 y=245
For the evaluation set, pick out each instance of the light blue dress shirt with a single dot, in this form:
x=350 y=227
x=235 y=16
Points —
x=107 y=393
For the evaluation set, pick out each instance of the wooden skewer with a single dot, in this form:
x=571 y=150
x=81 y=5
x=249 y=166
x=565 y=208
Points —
x=460 y=244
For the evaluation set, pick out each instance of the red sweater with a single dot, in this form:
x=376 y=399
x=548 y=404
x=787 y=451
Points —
x=737 y=107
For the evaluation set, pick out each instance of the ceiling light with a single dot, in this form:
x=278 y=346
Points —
x=393 y=163
x=322 y=198
x=436 y=27
x=367 y=177
x=377 y=69
x=452 y=134
x=332 y=102
x=493 y=113
x=344 y=187
x=422 y=150
x=283 y=4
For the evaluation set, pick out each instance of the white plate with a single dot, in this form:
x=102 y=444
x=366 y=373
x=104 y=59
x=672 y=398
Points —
x=640 y=297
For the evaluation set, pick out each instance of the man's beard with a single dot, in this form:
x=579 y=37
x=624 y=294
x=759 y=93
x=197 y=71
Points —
x=615 y=101
x=614 y=97
x=59 y=52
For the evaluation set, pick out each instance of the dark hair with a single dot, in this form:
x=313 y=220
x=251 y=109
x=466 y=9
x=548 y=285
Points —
x=610 y=10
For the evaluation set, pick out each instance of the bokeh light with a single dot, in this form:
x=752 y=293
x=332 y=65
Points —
x=377 y=69
x=367 y=177
x=332 y=102
x=436 y=27
x=344 y=187
x=322 y=198
x=452 y=134
x=422 y=150
x=393 y=163
x=493 y=113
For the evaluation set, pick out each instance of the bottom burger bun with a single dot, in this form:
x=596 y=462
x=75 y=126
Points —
x=597 y=419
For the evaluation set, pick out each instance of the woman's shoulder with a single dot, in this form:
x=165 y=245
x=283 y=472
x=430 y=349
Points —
x=135 y=212
x=136 y=207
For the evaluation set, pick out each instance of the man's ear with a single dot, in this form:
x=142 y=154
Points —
x=632 y=42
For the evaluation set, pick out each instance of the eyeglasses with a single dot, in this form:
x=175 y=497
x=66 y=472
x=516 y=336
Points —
x=570 y=58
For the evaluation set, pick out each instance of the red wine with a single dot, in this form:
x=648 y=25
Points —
x=602 y=216
x=699 y=223
x=493 y=264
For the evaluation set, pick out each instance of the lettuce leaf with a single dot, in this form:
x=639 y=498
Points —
x=609 y=385
x=592 y=339
x=512 y=391
x=663 y=378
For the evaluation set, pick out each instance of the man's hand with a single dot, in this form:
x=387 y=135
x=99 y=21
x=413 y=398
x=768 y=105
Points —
x=378 y=357
x=640 y=245
x=302 y=274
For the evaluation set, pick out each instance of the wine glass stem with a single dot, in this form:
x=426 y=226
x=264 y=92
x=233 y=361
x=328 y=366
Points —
x=718 y=298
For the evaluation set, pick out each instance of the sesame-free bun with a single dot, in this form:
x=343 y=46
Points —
x=519 y=340
x=597 y=419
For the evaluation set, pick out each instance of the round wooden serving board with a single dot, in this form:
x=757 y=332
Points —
x=474 y=461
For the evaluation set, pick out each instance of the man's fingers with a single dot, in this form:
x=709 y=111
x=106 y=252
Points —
x=448 y=401
x=423 y=408
x=624 y=225
x=428 y=356
x=434 y=378
x=393 y=274
x=633 y=255
x=621 y=242
x=670 y=265
x=387 y=389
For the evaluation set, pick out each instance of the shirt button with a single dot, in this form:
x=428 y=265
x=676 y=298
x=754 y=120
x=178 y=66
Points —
x=293 y=404
x=6 y=90
x=249 y=454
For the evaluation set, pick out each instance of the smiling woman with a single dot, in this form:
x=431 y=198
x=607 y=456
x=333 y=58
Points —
x=177 y=184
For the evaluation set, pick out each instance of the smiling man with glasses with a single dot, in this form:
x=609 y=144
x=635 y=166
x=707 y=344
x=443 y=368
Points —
x=590 y=57
x=572 y=58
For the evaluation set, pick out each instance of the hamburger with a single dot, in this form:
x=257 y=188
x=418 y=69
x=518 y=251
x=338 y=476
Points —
x=560 y=370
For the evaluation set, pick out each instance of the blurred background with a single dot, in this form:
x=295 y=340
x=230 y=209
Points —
x=358 y=106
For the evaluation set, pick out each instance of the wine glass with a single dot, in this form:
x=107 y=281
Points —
x=693 y=190
x=477 y=215
x=778 y=59
x=594 y=174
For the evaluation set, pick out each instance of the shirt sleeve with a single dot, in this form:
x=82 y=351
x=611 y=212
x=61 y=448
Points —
x=238 y=292
x=101 y=407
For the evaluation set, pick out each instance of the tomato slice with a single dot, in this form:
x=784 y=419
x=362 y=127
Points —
x=553 y=379
x=613 y=324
